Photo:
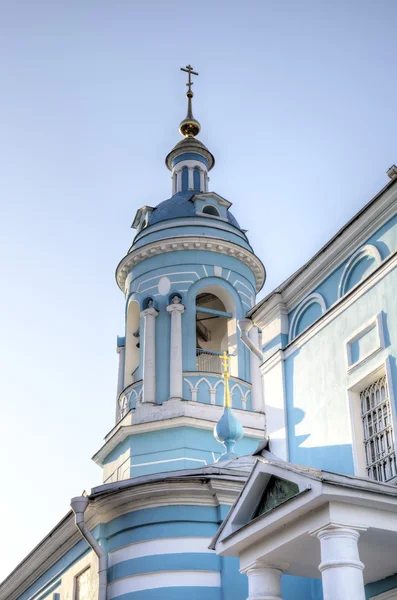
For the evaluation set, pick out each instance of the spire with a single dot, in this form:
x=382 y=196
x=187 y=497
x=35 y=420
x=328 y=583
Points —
x=189 y=127
x=228 y=430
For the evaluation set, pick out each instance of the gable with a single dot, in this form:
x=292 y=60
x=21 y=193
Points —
x=277 y=491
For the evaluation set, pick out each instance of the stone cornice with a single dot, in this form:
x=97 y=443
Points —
x=176 y=244
x=175 y=413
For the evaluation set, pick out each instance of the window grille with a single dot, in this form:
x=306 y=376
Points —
x=82 y=585
x=378 y=431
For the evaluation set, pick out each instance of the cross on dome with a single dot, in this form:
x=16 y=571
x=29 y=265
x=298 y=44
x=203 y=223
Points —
x=189 y=127
x=189 y=70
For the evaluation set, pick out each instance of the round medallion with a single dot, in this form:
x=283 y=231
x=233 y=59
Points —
x=164 y=286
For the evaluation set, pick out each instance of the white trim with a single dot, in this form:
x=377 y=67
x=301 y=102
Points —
x=176 y=545
x=341 y=305
x=205 y=270
x=163 y=579
x=200 y=213
x=365 y=251
x=353 y=396
x=375 y=322
x=314 y=298
x=168 y=460
x=176 y=244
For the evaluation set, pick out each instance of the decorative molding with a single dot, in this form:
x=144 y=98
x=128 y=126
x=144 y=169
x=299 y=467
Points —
x=191 y=221
x=388 y=265
x=314 y=298
x=175 y=413
x=365 y=251
x=177 y=244
x=375 y=322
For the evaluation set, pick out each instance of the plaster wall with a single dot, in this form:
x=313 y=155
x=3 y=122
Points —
x=320 y=431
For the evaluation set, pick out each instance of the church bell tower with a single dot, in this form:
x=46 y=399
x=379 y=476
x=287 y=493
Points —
x=189 y=278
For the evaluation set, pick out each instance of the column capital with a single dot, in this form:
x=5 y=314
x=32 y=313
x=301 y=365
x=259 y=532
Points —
x=260 y=565
x=175 y=308
x=149 y=311
x=264 y=580
x=338 y=530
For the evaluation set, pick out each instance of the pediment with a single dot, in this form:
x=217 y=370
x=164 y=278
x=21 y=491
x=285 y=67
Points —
x=273 y=489
x=212 y=195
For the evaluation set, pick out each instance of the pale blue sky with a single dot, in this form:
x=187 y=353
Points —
x=297 y=102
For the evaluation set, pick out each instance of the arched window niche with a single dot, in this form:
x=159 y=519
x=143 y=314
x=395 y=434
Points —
x=185 y=179
x=132 y=343
x=209 y=209
x=215 y=330
x=308 y=311
x=359 y=266
x=196 y=179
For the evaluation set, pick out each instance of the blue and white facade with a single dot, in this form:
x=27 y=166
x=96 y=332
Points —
x=305 y=364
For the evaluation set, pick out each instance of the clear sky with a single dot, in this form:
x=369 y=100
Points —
x=297 y=101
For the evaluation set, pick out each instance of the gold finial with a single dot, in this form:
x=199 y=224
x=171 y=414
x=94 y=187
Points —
x=226 y=375
x=189 y=126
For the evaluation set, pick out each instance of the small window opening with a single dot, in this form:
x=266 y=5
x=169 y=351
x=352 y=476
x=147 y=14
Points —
x=376 y=418
x=211 y=210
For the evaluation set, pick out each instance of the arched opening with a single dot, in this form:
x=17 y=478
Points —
x=132 y=342
x=211 y=210
x=185 y=179
x=215 y=330
x=196 y=179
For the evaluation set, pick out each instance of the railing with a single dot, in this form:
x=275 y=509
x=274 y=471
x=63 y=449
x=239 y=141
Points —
x=134 y=375
x=209 y=361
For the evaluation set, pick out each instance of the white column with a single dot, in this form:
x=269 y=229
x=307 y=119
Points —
x=190 y=182
x=202 y=180
x=340 y=567
x=256 y=376
x=179 y=181
x=264 y=582
x=176 y=311
x=149 y=355
x=173 y=183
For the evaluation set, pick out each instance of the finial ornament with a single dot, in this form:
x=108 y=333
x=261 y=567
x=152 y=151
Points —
x=189 y=127
x=228 y=430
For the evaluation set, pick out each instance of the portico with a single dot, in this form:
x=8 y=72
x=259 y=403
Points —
x=301 y=521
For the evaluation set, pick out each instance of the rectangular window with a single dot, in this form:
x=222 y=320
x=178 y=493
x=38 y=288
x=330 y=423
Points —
x=82 y=585
x=378 y=431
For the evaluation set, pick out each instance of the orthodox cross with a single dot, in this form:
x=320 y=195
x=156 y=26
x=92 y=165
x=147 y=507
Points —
x=225 y=363
x=189 y=70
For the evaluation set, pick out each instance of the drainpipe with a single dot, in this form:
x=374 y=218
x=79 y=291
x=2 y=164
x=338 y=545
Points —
x=79 y=505
x=245 y=325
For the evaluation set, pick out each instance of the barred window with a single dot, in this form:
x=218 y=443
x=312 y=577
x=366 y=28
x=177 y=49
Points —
x=378 y=431
x=82 y=587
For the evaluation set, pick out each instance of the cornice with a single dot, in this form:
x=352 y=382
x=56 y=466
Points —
x=177 y=244
x=368 y=220
x=175 y=413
